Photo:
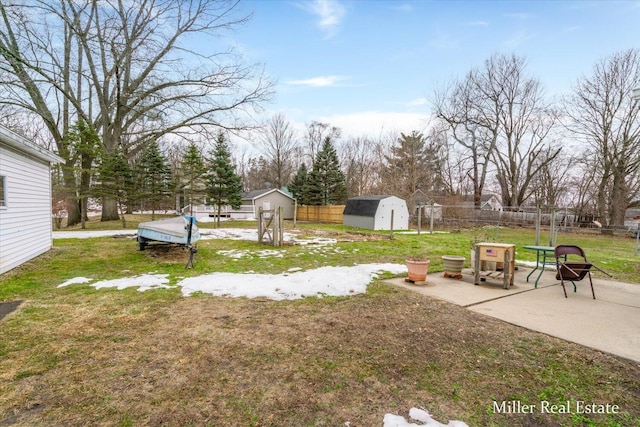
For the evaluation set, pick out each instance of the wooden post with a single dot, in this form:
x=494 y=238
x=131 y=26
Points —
x=506 y=270
x=391 y=235
x=431 y=218
x=260 y=231
x=280 y=226
x=295 y=212
x=476 y=266
x=419 y=218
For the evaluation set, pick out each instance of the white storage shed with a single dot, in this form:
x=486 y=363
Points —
x=25 y=199
x=266 y=199
x=374 y=213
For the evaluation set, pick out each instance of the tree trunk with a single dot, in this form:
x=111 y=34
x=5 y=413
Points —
x=73 y=207
x=109 y=209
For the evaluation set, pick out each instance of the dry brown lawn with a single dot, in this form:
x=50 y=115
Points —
x=124 y=358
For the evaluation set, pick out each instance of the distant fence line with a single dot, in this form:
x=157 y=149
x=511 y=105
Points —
x=558 y=219
x=456 y=216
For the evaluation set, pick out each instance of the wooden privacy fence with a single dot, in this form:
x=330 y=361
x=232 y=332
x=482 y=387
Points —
x=331 y=214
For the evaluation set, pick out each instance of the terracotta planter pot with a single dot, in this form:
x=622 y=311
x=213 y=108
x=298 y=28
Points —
x=417 y=270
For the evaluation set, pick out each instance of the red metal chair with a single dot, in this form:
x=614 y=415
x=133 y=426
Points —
x=568 y=268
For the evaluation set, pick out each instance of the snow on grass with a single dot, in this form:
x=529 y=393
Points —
x=292 y=284
x=74 y=281
x=421 y=415
x=532 y=264
x=329 y=281
x=84 y=234
x=246 y=253
x=143 y=282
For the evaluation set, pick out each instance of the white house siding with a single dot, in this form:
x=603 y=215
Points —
x=25 y=221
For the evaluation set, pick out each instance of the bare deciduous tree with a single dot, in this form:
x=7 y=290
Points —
x=126 y=68
x=317 y=133
x=358 y=160
x=604 y=115
x=279 y=148
x=469 y=128
x=499 y=113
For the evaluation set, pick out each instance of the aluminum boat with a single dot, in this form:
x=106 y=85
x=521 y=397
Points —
x=181 y=230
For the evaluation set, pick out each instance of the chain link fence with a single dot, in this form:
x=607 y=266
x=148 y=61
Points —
x=460 y=216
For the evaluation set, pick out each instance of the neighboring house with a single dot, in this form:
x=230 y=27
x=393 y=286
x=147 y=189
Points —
x=426 y=204
x=374 y=213
x=25 y=200
x=488 y=202
x=266 y=199
x=632 y=218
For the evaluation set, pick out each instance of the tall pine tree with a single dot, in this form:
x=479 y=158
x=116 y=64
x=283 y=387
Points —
x=224 y=186
x=327 y=184
x=191 y=172
x=116 y=182
x=299 y=185
x=154 y=177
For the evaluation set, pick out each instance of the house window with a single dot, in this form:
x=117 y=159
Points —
x=3 y=192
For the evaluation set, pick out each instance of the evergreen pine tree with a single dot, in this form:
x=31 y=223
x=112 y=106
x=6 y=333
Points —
x=82 y=146
x=299 y=185
x=224 y=186
x=327 y=184
x=154 y=175
x=116 y=182
x=192 y=170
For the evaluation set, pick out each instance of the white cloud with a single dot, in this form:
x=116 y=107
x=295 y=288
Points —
x=518 y=39
x=404 y=7
x=322 y=81
x=418 y=102
x=518 y=16
x=329 y=13
x=376 y=123
x=444 y=41
x=477 y=24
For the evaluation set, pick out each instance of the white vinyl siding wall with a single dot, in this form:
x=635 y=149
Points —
x=25 y=219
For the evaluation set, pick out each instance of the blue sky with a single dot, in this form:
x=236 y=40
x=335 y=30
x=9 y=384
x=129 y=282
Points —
x=369 y=67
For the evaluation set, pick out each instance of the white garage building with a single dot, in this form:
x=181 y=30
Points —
x=374 y=213
x=25 y=200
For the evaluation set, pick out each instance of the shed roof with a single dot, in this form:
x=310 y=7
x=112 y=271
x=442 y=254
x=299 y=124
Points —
x=251 y=195
x=20 y=143
x=363 y=205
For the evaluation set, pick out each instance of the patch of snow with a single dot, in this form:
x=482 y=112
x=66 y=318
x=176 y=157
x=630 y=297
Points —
x=420 y=415
x=292 y=284
x=331 y=281
x=74 y=281
x=143 y=282
x=84 y=234
x=532 y=264
x=246 y=253
x=314 y=241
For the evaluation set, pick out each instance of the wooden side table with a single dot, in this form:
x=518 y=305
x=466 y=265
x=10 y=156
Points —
x=497 y=252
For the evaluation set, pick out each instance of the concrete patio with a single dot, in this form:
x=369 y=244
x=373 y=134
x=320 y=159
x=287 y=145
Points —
x=610 y=323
